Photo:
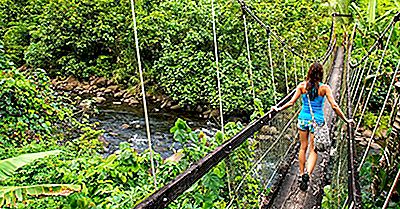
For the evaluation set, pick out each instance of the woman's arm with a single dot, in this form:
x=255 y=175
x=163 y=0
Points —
x=292 y=101
x=335 y=106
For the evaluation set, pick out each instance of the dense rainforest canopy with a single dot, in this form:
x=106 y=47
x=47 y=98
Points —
x=43 y=40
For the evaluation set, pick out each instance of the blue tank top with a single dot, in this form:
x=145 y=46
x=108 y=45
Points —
x=317 y=106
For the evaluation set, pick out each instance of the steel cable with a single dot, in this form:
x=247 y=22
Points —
x=379 y=117
x=146 y=116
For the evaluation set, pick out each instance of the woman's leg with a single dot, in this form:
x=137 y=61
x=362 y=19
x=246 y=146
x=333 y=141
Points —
x=303 y=150
x=312 y=157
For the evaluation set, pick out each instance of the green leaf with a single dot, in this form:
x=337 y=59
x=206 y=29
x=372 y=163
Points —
x=9 y=166
x=9 y=193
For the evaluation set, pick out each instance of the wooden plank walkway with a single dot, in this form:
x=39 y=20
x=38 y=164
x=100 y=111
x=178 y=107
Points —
x=288 y=195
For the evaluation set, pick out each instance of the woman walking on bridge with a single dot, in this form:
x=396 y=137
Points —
x=313 y=93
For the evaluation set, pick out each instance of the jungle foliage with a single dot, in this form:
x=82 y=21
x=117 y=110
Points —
x=85 y=38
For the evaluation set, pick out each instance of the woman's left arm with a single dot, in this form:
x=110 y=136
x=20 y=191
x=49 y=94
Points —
x=291 y=102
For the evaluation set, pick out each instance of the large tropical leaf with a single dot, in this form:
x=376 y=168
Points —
x=371 y=11
x=10 y=194
x=9 y=166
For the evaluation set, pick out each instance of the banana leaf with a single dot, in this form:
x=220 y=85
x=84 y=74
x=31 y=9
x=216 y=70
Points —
x=9 y=195
x=9 y=166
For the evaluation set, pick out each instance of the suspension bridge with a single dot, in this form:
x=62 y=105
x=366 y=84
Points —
x=347 y=78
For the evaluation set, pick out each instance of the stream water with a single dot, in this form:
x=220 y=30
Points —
x=124 y=123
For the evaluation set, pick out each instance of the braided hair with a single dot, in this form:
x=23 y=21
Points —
x=314 y=76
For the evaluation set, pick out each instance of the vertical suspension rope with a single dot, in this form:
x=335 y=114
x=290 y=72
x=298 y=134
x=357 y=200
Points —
x=286 y=77
x=391 y=190
x=295 y=70
x=248 y=56
x=357 y=83
x=219 y=88
x=363 y=88
x=379 y=117
x=302 y=69
x=143 y=95
x=373 y=82
x=271 y=64
x=217 y=66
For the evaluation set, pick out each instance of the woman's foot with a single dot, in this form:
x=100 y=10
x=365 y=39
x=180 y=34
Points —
x=305 y=178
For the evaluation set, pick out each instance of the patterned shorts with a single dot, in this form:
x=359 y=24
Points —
x=306 y=125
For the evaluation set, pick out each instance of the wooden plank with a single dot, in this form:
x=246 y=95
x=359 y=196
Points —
x=162 y=197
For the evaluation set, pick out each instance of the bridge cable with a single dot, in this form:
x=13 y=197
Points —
x=271 y=64
x=219 y=84
x=391 y=190
x=286 y=76
x=262 y=157
x=295 y=71
x=143 y=95
x=394 y=20
x=363 y=88
x=373 y=82
x=379 y=117
x=357 y=84
x=249 y=56
x=284 y=44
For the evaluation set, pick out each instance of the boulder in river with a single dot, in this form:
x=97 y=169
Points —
x=125 y=126
x=175 y=158
x=119 y=94
x=100 y=82
x=99 y=100
x=175 y=107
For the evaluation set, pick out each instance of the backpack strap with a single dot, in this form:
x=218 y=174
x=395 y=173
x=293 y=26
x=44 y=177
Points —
x=311 y=110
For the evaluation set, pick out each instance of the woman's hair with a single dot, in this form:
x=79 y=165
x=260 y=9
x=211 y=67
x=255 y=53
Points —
x=314 y=76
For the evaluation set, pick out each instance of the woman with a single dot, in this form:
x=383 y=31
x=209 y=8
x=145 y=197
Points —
x=315 y=91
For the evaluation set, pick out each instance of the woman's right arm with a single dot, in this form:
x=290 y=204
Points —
x=335 y=106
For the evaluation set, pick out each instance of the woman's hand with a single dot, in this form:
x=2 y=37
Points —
x=351 y=122
x=276 y=109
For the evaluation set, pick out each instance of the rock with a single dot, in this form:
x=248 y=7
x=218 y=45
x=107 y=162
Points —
x=164 y=104
x=199 y=109
x=207 y=112
x=119 y=94
x=133 y=101
x=100 y=82
x=156 y=110
x=137 y=126
x=175 y=107
x=274 y=130
x=175 y=158
x=127 y=95
x=103 y=140
x=99 y=99
x=92 y=88
x=100 y=93
x=214 y=113
x=101 y=89
x=113 y=88
x=263 y=137
x=125 y=126
x=117 y=103
x=86 y=87
x=265 y=129
x=110 y=82
x=367 y=133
